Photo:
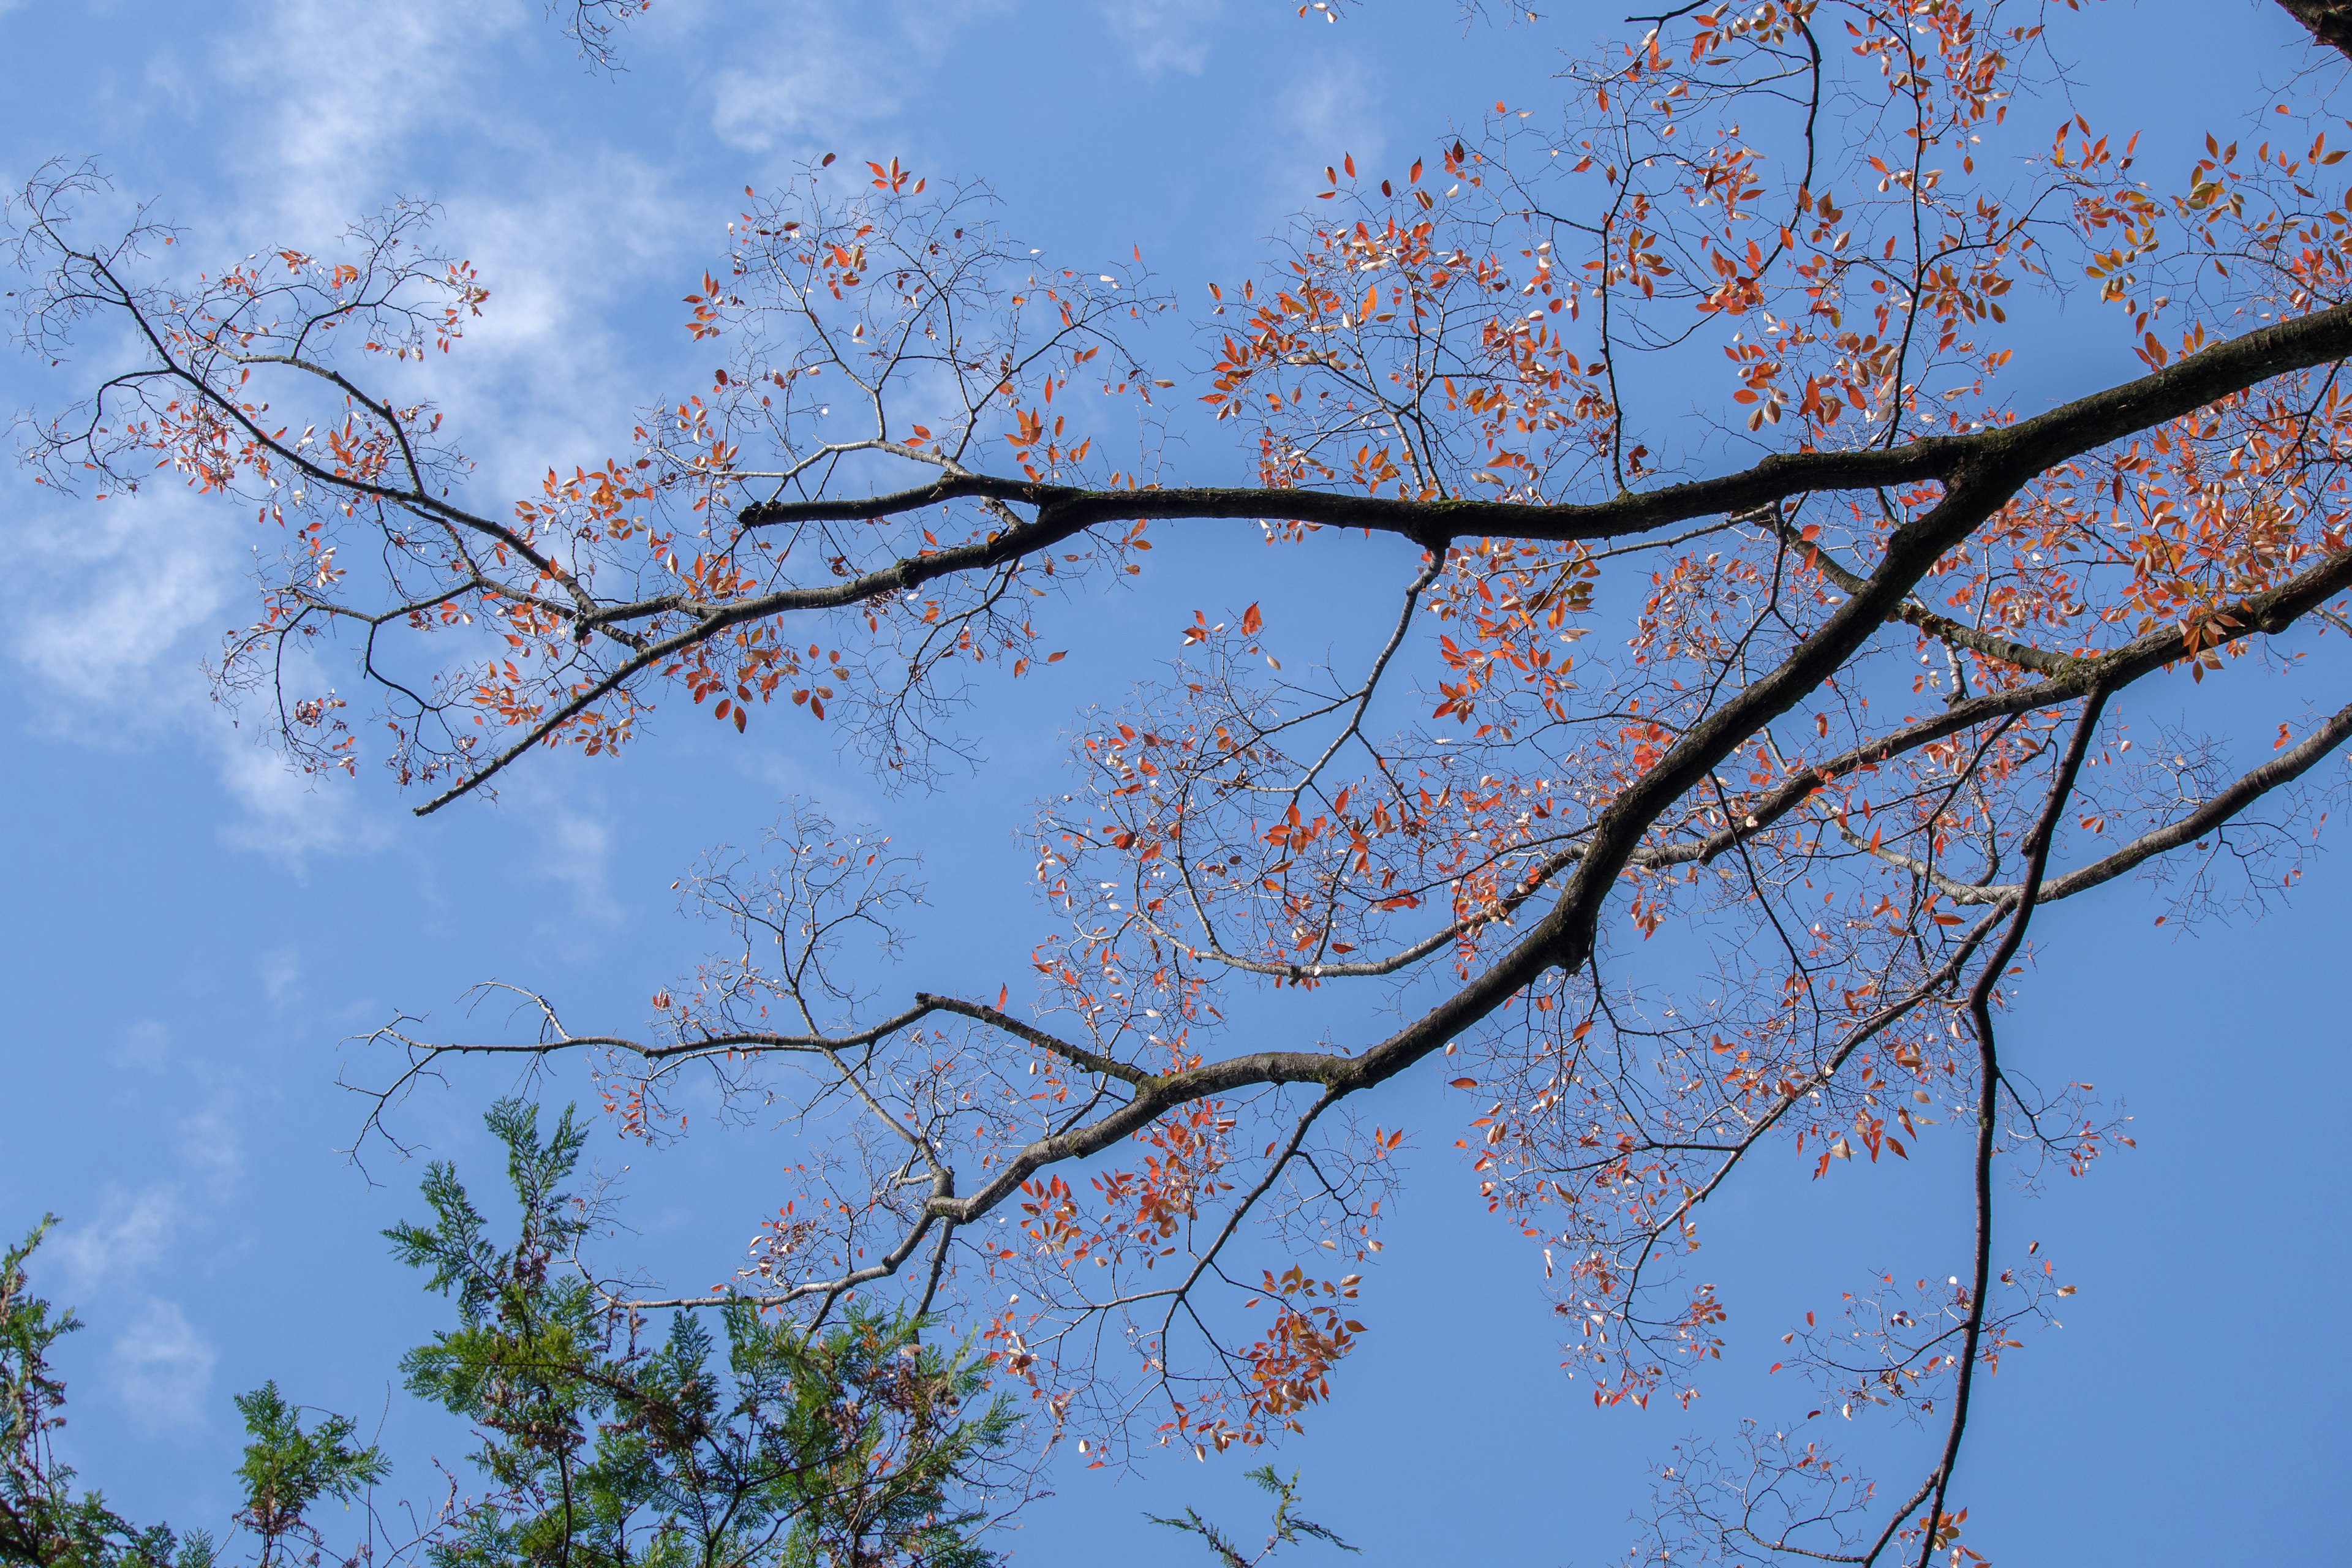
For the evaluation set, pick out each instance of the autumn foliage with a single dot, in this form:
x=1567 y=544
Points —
x=1836 y=683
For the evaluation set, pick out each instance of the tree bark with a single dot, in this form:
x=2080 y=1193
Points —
x=2329 y=21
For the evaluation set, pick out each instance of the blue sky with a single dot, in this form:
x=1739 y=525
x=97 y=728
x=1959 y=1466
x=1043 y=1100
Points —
x=192 y=933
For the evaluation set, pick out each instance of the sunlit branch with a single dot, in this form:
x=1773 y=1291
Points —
x=2267 y=613
x=2031 y=445
x=2037 y=856
x=1794 y=1095
x=2214 y=814
x=1989 y=465
x=2023 y=655
x=416 y=495
x=1428 y=574
x=1076 y=1055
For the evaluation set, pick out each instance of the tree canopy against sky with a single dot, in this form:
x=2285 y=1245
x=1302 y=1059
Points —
x=1653 y=441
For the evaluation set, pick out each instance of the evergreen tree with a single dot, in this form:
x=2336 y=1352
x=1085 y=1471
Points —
x=787 y=1446
x=768 y=1445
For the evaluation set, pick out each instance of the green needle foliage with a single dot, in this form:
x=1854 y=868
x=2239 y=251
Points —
x=1287 y=1530
x=41 y=1520
x=287 y=1469
x=44 y=1524
x=767 y=1446
x=858 y=1446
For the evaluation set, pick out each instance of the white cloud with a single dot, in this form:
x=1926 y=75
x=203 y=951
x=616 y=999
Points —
x=1333 y=110
x=113 y=591
x=1164 y=34
x=338 y=115
x=146 y=1044
x=112 y=611
x=577 y=851
x=544 y=379
x=287 y=813
x=161 y=1368
x=128 y=1236
x=280 y=972
x=210 y=1141
x=811 y=78
x=120 y=602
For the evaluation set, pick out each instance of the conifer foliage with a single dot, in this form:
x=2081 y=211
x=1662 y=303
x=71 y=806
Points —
x=778 y=1446
x=858 y=1446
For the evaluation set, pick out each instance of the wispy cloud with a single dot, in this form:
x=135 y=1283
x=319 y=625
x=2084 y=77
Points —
x=119 y=604
x=1331 y=109
x=161 y=1368
x=1163 y=34
x=211 y=1140
x=128 y=1237
x=334 y=121
x=815 y=79
x=141 y=573
x=146 y=1044
x=576 y=851
x=285 y=814
x=123 y=600
x=280 y=970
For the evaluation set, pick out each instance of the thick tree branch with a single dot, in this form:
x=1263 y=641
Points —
x=2213 y=815
x=1992 y=466
x=2023 y=655
x=2329 y=21
x=2270 y=611
x=2034 y=444
x=2004 y=461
